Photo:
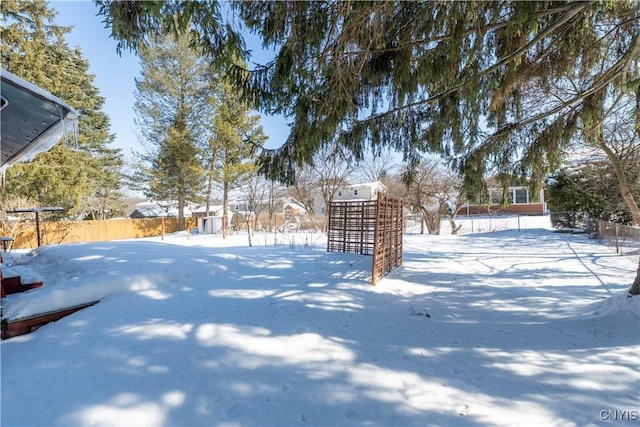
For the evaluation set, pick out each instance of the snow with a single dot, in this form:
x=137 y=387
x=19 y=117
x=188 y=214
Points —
x=503 y=327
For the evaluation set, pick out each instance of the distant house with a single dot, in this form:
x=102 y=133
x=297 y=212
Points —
x=521 y=202
x=363 y=191
x=291 y=208
x=147 y=212
x=157 y=209
x=214 y=210
x=239 y=206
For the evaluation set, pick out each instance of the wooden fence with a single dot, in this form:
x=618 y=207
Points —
x=93 y=231
x=368 y=228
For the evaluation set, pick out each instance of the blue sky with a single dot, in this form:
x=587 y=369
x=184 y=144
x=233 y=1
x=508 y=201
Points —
x=115 y=73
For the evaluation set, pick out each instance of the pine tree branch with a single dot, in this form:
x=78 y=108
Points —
x=468 y=32
x=607 y=78
x=569 y=14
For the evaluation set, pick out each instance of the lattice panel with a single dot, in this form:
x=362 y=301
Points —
x=387 y=253
x=368 y=228
x=352 y=227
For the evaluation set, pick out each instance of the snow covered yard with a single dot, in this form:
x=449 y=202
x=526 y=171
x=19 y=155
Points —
x=505 y=328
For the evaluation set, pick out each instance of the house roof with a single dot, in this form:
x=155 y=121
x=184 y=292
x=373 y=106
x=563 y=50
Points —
x=212 y=208
x=158 y=209
x=294 y=205
x=374 y=184
x=149 y=211
x=33 y=120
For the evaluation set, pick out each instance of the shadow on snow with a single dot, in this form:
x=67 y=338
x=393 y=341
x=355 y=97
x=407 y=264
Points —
x=321 y=346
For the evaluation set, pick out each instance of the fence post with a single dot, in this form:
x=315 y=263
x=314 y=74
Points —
x=616 y=234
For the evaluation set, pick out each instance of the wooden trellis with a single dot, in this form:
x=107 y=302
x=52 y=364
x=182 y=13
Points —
x=370 y=227
x=387 y=253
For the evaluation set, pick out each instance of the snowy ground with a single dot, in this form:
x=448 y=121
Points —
x=503 y=327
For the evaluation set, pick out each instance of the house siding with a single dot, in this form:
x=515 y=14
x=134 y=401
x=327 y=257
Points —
x=522 y=209
x=519 y=208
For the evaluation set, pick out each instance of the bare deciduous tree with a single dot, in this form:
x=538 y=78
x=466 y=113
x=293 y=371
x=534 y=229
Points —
x=329 y=172
x=264 y=195
x=434 y=192
x=333 y=167
x=375 y=168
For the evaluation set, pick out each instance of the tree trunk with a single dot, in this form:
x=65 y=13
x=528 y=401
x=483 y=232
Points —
x=452 y=222
x=225 y=202
x=271 y=207
x=249 y=219
x=181 y=203
x=432 y=220
x=635 y=288
x=209 y=190
x=627 y=196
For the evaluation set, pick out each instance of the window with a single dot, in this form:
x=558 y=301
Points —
x=514 y=195
x=521 y=195
x=237 y=207
x=339 y=193
x=355 y=192
x=323 y=210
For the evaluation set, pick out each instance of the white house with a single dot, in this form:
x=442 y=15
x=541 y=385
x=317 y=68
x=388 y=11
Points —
x=363 y=191
x=214 y=210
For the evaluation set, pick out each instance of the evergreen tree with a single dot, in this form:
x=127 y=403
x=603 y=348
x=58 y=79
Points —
x=479 y=82
x=173 y=108
x=81 y=178
x=134 y=23
x=590 y=191
x=237 y=135
x=573 y=200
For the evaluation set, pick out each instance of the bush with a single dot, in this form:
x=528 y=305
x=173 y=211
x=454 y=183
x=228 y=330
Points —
x=576 y=197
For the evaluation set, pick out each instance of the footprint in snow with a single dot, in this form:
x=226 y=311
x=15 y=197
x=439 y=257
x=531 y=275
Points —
x=351 y=413
x=236 y=411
